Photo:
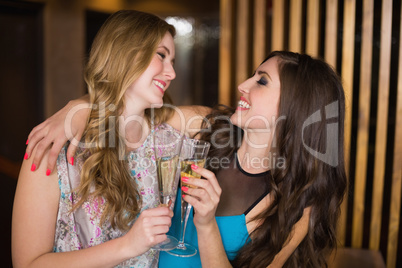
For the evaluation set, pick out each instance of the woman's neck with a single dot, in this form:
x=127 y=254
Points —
x=254 y=154
x=135 y=128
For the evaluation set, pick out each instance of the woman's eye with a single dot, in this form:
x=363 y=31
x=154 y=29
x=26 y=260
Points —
x=163 y=56
x=262 y=81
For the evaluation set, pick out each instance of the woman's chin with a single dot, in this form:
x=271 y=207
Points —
x=234 y=119
x=156 y=105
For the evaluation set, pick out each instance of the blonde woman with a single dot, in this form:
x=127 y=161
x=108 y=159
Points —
x=100 y=209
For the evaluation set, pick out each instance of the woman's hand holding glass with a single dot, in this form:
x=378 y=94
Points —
x=203 y=195
x=148 y=230
x=193 y=153
x=167 y=145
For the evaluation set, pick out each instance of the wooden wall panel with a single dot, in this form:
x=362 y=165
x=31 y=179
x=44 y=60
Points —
x=259 y=45
x=349 y=11
x=347 y=75
x=364 y=106
x=382 y=113
x=364 y=100
x=242 y=38
x=278 y=24
x=225 y=47
x=313 y=27
x=347 y=68
x=331 y=32
x=295 y=31
x=382 y=101
x=395 y=208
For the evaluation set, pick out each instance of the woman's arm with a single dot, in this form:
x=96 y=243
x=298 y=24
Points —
x=205 y=199
x=188 y=119
x=69 y=124
x=299 y=232
x=35 y=210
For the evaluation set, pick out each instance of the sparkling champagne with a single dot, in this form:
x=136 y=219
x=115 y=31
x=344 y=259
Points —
x=186 y=170
x=167 y=167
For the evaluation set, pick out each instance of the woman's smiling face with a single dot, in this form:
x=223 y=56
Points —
x=150 y=87
x=259 y=102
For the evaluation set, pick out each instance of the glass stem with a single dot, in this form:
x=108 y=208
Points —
x=184 y=220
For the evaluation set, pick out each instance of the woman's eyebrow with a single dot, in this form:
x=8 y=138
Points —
x=262 y=72
x=167 y=50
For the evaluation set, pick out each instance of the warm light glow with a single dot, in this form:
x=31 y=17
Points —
x=183 y=26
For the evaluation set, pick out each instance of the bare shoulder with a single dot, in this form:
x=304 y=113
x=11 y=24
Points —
x=37 y=177
x=34 y=212
x=36 y=188
x=188 y=119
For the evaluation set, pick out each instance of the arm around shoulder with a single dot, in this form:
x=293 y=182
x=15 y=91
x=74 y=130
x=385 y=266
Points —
x=188 y=119
x=67 y=124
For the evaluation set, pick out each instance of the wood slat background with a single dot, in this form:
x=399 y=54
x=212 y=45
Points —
x=382 y=120
x=362 y=40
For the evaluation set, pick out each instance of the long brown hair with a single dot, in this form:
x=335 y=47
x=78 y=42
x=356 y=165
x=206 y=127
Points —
x=121 y=52
x=309 y=89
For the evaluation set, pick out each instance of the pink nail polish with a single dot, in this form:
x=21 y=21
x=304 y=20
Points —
x=185 y=179
x=48 y=172
x=33 y=167
x=26 y=156
x=72 y=161
x=27 y=142
x=194 y=167
x=183 y=195
x=184 y=189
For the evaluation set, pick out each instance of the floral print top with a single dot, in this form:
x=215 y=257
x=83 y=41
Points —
x=81 y=228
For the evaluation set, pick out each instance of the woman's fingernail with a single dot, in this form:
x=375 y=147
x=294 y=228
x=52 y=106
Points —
x=48 y=172
x=194 y=167
x=185 y=179
x=26 y=156
x=27 y=142
x=72 y=161
x=183 y=195
x=33 y=167
x=184 y=189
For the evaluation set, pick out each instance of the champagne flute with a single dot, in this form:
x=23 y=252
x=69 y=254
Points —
x=167 y=145
x=193 y=152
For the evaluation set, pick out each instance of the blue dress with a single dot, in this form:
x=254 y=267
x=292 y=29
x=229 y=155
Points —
x=233 y=232
x=241 y=192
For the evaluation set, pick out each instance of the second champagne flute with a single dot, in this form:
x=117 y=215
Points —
x=167 y=145
x=193 y=152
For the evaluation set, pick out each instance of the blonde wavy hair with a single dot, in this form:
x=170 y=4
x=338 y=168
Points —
x=121 y=52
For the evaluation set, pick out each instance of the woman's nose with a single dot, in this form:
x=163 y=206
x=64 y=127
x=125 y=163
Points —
x=169 y=71
x=244 y=87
